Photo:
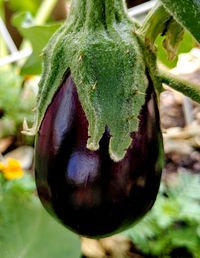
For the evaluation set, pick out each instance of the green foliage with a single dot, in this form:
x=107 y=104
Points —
x=174 y=221
x=26 y=230
x=173 y=36
x=14 y=105
x=187 y=13
x=38 y=35
x=24 y=5
x=23 y=187
x=186 y=45
x=160 y=29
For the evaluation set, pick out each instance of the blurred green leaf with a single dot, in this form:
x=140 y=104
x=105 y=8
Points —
x=27 y=231
x=15 y=104
x=186 y=45
x=187 y=186
x=24 y=186
x=174 y=221
x=24 y=5
x=10 y=89
x=38 y=35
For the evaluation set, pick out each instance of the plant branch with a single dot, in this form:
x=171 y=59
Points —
x=186 y=87
x=3 y=46
x=44 y=11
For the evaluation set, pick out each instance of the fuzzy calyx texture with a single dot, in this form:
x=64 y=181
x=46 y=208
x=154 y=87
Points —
x=98 y=46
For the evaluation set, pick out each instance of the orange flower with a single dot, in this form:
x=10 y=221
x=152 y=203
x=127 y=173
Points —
x=12 y=169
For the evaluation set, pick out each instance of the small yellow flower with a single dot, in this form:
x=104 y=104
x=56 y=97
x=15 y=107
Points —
x=2 y=166
x=28 y=77
x=12 y=169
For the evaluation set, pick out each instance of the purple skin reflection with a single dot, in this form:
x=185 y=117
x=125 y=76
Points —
x=86 y=190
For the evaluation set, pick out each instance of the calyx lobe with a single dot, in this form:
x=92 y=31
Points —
x=99 y=47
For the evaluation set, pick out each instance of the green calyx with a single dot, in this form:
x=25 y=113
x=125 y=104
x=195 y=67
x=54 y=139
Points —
x=105 y=58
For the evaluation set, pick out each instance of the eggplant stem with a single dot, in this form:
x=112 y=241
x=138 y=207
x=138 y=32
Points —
x=188 y=88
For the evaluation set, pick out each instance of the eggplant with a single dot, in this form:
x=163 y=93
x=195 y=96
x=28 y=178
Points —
x=86 y=190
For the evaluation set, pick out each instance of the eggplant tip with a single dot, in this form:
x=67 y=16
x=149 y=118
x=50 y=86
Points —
x=92 y=146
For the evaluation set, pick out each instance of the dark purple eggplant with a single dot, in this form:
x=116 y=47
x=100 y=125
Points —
x=86 y=190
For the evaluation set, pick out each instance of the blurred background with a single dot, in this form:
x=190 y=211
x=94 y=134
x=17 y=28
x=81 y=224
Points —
x=170 y=229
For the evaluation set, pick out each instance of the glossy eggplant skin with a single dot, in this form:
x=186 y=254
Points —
x=85 y=190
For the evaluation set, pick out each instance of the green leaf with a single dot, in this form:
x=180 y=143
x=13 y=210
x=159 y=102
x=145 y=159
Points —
x=173 y=222
x=38 y=36
x=15 y=104
x=154 y=24
x=173 y=37
x=10 y=89
x=186 y=45
x=27 y=231
x=184 y=237
x=187 y=13
x=24 y=5
x=23 y=186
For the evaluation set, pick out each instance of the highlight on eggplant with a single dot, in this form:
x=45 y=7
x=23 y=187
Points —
x=86 y=190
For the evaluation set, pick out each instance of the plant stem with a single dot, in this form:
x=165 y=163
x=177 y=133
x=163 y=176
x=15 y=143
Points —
x=186 y=87
x=96 y=13
x=3 y=46
x=44 y=11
